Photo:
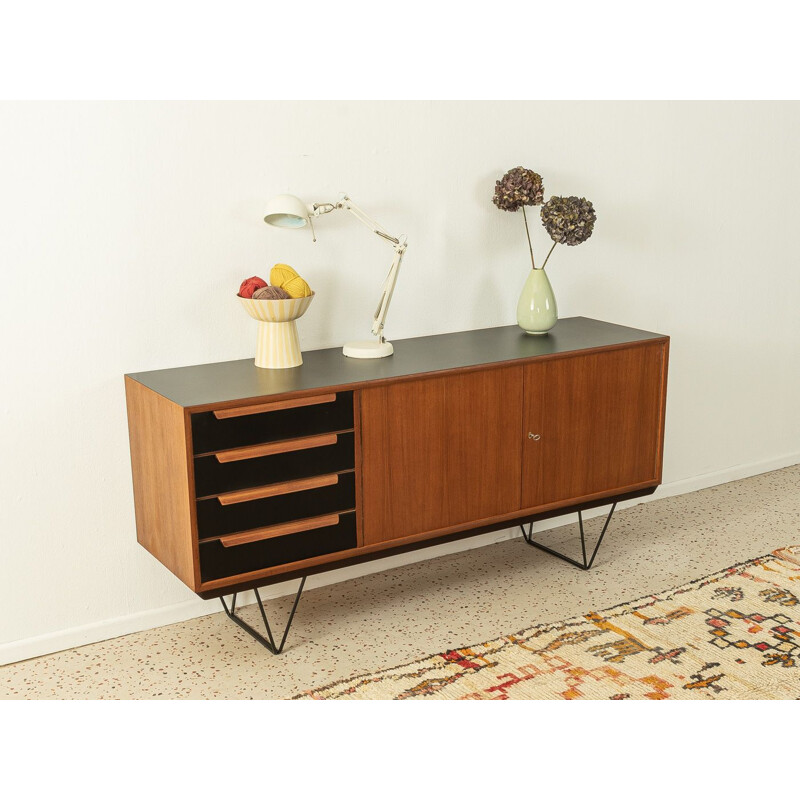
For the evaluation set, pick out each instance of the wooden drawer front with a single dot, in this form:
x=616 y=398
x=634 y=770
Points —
x=216 y=519
x=218 y=561
x=219 y=430
x=213 y=477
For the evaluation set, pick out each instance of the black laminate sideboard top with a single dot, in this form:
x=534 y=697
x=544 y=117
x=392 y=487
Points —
x=231 y=381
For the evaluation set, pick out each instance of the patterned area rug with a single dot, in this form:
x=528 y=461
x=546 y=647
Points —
x=731 y=635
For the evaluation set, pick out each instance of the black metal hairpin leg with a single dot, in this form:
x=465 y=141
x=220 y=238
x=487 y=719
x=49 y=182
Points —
x=586 y=564
x=269 y=641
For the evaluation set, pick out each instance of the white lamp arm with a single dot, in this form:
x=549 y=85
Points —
x=399 y=245
x=317 y=209
x=387 y=291
x=347 y=204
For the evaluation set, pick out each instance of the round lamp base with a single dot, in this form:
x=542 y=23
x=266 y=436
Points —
x=368 y=349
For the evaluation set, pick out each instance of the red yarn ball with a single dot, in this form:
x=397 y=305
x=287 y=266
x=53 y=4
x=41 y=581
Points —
x=250 y=285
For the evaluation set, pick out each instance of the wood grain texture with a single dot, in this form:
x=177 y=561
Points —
x=440 y=451
x=161 y=483
x=278 y=405
x=662 y=410
x=275 y=489
x=272 y=448
x=598 y=418
x=284 y=529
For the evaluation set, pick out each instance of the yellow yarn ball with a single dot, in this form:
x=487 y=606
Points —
x=284 y=276
x=280 y=274
x=297 y=287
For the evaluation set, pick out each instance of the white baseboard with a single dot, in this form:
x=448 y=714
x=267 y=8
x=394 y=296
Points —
x=23 y=649
x=737 y=473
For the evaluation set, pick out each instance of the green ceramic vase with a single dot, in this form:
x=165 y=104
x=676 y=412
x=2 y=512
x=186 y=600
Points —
x=537 y=312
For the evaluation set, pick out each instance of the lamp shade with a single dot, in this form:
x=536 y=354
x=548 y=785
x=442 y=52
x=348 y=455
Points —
x=286 y=211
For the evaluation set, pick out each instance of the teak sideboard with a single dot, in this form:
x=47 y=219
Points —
x=245 y=476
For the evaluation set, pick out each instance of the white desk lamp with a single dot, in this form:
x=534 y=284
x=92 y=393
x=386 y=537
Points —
x=288 y=211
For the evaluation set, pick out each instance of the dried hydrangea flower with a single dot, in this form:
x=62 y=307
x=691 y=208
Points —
x=568 y=220
x=517 y=188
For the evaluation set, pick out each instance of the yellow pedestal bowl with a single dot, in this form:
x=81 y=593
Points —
x=278 y=346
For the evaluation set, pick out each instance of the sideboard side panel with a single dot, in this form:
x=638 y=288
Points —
x=662 y=410
x=161 y=493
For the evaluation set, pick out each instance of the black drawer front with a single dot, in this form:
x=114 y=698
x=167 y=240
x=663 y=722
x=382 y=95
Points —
x=214 y=519
x=217 y=561
x=210 y=434
x=212 y=477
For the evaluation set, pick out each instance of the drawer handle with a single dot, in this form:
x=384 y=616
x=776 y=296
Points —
x=302 y=485
x=259 y=534
x=534 y=436
x=284 y=446
x=279 y=405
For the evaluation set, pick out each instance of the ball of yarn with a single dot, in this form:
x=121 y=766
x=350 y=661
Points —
x=284 y=276
x=297 y=287
x=251 y=285
x=271 y=293
x=281 y=274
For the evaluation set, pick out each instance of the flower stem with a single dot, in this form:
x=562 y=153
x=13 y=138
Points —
x=528 y=234
x=548 y=255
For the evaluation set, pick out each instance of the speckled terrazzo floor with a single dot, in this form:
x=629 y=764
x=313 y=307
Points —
x=387 y=618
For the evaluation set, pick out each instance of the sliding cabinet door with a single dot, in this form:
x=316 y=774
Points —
x=593 y=424
x=440 y=451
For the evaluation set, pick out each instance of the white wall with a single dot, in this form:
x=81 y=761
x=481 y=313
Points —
x=125 y=229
